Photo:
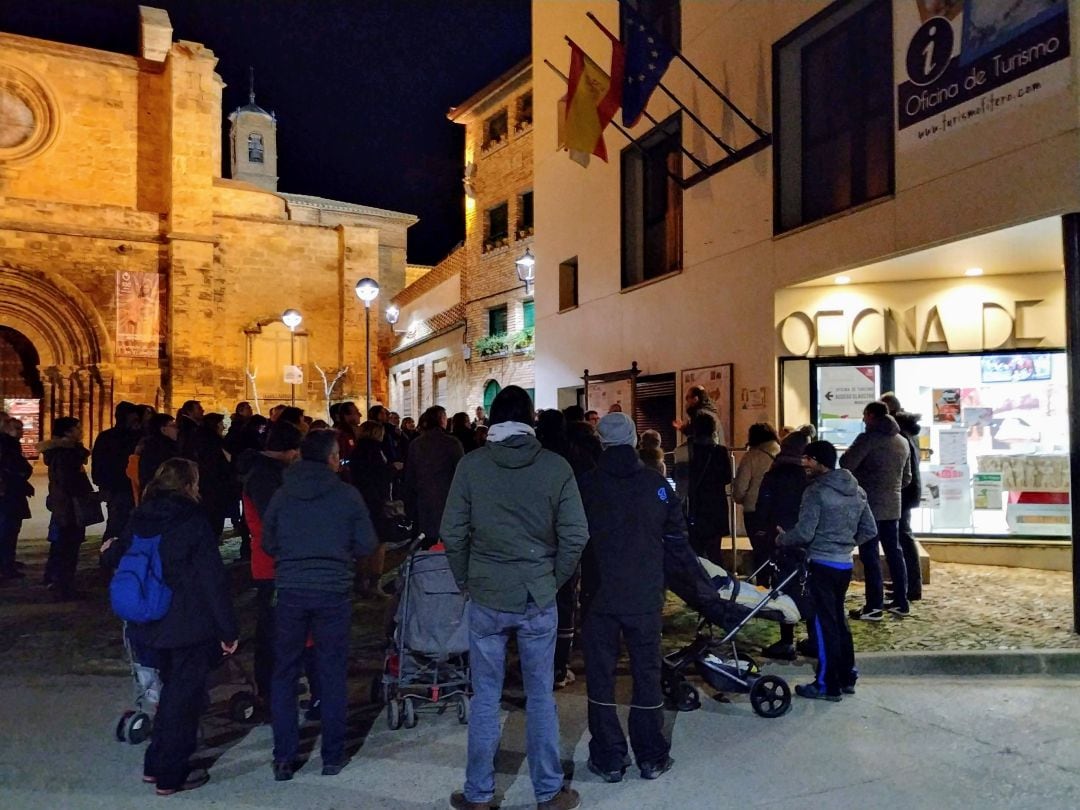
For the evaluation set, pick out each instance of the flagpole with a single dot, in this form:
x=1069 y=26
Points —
x=697 y=161
x=693 y=69
x=633 y=141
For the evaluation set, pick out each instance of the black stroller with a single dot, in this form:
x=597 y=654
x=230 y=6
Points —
x=426 y=667
x=718 y=660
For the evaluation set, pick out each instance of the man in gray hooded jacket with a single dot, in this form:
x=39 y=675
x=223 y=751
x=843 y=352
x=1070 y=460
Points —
x=834 y=517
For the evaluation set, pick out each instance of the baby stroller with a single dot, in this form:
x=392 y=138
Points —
x=426 y=667
x=724 y=601
x=136 y=723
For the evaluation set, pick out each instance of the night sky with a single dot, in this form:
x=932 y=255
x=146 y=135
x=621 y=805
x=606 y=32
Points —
x=361 y=88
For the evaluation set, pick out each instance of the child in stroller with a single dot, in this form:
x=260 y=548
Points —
x=726 y=602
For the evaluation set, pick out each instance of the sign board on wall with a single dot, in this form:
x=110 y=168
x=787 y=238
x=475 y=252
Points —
x=604 y=395
x=960 y=61
x=138 y=309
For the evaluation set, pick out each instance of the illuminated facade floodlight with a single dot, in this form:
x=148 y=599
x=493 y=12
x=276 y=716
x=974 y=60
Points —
x=392 y=314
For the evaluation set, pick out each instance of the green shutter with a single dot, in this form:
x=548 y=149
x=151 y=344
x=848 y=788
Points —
x=528 y=311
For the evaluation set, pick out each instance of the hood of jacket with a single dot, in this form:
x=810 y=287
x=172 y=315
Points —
x=786 y=459
x=309 y=480
x=158 y=515
x=885 y=425
x=514 y=452
x=52 y=448
x=840 y=480
x=251 y=460
x=622 y=461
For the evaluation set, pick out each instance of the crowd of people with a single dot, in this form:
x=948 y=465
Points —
x=554 y=523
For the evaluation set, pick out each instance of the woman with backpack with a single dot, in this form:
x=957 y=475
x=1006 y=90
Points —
x=198 y=626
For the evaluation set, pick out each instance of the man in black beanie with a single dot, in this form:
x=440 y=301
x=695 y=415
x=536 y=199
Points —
x=834 y=517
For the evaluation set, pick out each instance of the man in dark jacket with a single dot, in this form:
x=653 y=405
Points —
x=157 y=446
x=263 y=473
x=910 y=497
x=108 y=466
x=514 y=530
x=433 y=457
x=834 y=517
x=632 y=513
x=879 y=459
x=315 y=528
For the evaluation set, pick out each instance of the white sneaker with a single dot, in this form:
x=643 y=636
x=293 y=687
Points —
x=566 y=679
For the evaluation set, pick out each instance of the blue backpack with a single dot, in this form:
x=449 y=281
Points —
x=138 y=591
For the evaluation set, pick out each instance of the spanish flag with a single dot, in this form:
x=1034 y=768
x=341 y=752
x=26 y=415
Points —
x=592 y=98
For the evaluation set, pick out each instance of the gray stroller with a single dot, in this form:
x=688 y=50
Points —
x=426 y=667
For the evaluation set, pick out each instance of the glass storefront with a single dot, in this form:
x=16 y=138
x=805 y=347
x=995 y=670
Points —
x=994 y=445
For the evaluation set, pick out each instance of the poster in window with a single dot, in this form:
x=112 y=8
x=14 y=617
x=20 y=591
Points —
x=987 y=490
x=138 y=314
x=949 y=404
x=1002 y=368
x=719 y=383
x=958 y=63
x=953 y=510
x=604 y=396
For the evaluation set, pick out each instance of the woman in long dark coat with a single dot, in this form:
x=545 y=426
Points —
x=706 y=493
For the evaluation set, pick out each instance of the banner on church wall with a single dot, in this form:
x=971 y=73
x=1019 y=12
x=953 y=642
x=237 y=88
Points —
x=138 y=314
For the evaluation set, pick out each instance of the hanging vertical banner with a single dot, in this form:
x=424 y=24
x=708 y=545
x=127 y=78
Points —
x=138 y=314
x=958 y=61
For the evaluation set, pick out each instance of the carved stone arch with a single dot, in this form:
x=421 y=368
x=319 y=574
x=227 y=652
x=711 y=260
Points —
x=62 y=322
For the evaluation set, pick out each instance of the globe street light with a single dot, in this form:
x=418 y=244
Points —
x=367 y=290
x=292 y=318
x=526 y=269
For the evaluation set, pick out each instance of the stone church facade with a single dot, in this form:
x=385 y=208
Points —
x=130 y=269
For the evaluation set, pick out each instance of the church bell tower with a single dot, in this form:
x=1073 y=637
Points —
x=253 y=139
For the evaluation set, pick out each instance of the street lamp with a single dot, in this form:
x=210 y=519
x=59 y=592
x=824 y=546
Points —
x=367 y=290
x=292 y=318
x=392 y=314
x=526 y=270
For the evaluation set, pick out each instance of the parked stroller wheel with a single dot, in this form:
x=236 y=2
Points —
x=122 y=724
x=770 y=696
x=688 y=699
x=409 y=712
x=393 y=714
x=375 y=694
x=139 y=726
x=242 y=707
x=463 y=709
x=669 y=684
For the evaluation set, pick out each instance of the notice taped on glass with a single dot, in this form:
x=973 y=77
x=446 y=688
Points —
x=959 y=61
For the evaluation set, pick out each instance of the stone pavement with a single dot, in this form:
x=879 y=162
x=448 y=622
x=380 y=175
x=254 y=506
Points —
x=913 y=743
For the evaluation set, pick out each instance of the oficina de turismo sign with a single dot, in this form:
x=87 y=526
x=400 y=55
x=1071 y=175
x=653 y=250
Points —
x=959 y=61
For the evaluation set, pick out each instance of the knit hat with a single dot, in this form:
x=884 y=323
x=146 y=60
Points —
x=617 y=428
x=822 y=452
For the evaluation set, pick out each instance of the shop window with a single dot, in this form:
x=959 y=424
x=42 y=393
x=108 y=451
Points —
x=495 y=129
x=834 y=113
x=524 y=116
x=525 y=215
x=528 y=315
x=568 y=284
x=256 y=150
x=664 y=15
x=497 y=320
x=496 y=228
x=652 y=205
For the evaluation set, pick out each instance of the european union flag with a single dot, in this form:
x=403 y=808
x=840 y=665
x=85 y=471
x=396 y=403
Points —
x=647 y=58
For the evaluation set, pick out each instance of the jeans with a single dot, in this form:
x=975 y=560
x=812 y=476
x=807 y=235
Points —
x=600 y=634
x=889 y=537
x=836 y=652
x=535 y=631
x=326 y=616
x=911 y=556
x=63 y=561
x=264 y=646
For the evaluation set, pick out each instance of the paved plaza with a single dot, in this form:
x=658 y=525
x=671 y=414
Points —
x=913 y=743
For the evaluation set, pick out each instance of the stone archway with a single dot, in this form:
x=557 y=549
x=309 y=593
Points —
x=74 y=351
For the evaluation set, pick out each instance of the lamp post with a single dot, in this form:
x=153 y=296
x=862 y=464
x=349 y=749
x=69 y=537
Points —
x=367 y=290
x=526 y=270
x=292 y=318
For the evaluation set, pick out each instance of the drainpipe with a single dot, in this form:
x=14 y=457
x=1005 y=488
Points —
x=1071 y=233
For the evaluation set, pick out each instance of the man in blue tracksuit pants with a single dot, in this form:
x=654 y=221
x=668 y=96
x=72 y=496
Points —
x=833 y=519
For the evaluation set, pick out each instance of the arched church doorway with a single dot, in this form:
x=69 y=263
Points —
x=21 y=389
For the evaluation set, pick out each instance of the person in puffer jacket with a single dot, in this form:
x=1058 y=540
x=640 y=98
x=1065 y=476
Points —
x=834 y=517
